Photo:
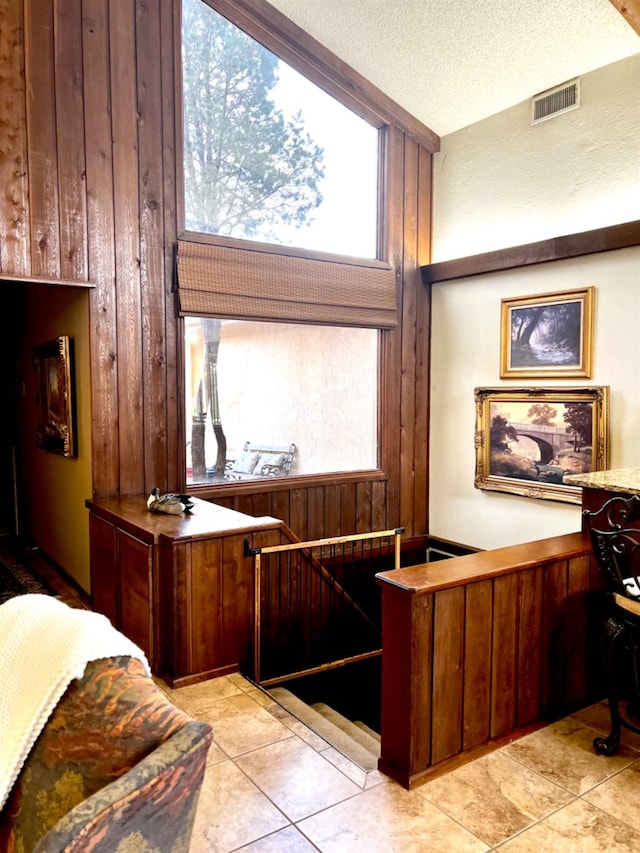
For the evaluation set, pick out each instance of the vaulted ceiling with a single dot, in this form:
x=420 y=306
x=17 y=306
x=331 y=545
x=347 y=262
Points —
x=452 y=63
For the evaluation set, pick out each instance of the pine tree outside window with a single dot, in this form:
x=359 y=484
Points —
x=270 y=158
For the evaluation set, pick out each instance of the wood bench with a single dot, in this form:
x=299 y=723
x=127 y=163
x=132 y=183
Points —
x=260 y=461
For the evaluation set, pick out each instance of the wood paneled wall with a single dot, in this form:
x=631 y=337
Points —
x=88 y=177
x=485 y=646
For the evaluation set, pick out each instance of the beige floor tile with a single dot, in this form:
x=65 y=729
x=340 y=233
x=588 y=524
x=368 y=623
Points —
x=231 y=812
x=494 y=796
x=350 y=770
x=288 y=840
x=196 y=699
x=597 y=716
x=240 y=725
x=297 y=727
x=296 y=778
x=375 y=777
x=388 y=819
x=240 y=681
x=216 y=754
x=619 y=795
x=261 y=698
x=563 y=753
x=578 y=827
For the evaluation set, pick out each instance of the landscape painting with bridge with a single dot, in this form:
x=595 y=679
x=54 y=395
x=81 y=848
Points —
x=528 y=440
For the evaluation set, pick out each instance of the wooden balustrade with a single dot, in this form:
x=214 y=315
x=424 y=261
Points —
x=478 y=647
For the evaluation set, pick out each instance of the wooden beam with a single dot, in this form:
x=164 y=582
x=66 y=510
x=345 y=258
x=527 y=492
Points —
x=605 y=239
x=630 y=11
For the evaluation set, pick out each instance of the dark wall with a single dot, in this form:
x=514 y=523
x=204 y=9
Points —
x=10 y=324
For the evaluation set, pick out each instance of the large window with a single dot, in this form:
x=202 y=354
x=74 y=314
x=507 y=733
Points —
x=278 y=384
x=281 y=347
x=268 y=155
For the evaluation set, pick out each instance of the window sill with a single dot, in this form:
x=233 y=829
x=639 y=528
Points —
x=206 y=491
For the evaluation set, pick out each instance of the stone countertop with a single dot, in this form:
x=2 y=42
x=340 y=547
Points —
x=624 y=480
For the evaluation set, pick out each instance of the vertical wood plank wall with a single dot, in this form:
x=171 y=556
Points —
x=476 y=658
x=88 y=178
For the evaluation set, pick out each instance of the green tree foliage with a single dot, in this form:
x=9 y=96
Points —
x=501 y=433
x=542 y=414
x=579 y=417
x=248 y=167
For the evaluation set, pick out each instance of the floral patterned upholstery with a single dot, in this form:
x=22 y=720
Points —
x=117 y=767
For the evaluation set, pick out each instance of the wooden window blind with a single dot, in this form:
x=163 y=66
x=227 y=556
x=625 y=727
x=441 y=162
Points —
x=218 y=281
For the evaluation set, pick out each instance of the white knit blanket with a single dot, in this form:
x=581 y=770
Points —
x=44 y=645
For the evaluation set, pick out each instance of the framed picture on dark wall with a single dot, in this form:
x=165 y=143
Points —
x=528 y=439
x=548 y=335
x=56 y=428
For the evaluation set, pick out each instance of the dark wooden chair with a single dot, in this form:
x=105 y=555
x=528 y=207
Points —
x=615 y=537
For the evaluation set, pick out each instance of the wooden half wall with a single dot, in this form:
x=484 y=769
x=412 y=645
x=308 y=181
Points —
x=88 y=168
x=479 y=647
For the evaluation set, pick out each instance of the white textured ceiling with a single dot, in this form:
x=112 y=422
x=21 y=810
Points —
x=454 y=62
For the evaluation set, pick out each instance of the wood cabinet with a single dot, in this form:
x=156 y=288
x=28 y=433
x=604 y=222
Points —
x=179 y=586
x=122 y=562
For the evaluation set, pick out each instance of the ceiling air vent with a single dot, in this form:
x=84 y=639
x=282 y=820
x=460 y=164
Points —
x=555 y=101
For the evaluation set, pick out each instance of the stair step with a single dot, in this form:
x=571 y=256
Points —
x=327 y=730
x=371 y=744
x=369 y=731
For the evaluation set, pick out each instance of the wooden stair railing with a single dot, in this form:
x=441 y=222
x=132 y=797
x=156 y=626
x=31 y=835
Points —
x=301 y=608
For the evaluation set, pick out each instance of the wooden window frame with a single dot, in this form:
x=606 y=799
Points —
x=281 y=36
x=286 y=40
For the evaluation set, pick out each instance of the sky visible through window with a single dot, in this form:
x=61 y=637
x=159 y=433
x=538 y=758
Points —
x=270 y=156
x=345 y=222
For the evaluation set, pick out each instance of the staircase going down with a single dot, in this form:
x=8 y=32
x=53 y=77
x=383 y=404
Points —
x=355 y=740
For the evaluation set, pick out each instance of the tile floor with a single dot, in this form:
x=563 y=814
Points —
x=273 y=785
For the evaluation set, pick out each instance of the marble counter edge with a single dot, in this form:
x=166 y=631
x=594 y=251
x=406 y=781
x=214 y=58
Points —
x=624 y=480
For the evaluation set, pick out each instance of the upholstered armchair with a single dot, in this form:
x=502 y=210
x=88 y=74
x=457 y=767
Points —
x=117 y=767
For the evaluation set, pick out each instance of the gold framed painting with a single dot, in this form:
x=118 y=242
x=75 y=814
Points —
x=528 y=439
x=547 y=335
x=56 y=430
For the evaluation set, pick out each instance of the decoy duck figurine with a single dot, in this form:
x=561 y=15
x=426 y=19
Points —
x=171 y=503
